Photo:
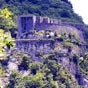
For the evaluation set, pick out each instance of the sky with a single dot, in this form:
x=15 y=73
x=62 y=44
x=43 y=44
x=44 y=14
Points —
x=81 y=8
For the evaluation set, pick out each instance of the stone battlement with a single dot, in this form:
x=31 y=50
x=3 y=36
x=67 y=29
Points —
x=44 y=20
x=27 y=23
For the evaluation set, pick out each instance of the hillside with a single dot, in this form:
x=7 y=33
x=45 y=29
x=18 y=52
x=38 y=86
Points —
x=59 y=9
x=55 y=56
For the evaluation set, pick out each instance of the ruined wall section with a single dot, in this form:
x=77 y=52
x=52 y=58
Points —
x=28 y=23
x=36 y=48
x=54 y=25
x=45 y=22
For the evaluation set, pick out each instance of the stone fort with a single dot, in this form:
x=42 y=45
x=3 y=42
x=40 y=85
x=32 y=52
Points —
x=27 y=23
x=36 y=45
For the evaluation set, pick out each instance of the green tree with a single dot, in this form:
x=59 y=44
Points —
x=6 y=21
x=6 y=42
x=60 y=9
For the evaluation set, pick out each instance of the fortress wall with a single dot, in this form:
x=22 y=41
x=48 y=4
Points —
x=38 y=20
x=42 y=20
x=76 y=25
x=74 y=29
x=61 y=29
x=44 y=23
x=44 y=46
x=53 y=24
x=27 y=23
x=42 y=26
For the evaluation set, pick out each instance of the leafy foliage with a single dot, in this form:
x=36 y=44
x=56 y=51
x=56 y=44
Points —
x=61 y=9
x=84 y=65
x=5 y=42
x=6 y=21
x=47 y=74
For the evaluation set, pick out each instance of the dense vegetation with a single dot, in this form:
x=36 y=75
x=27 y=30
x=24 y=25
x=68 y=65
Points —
x=60 y=9
x=46 y=74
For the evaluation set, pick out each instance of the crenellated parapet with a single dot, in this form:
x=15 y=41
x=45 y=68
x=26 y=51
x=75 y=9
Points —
x=45 y=20
x=27 y=23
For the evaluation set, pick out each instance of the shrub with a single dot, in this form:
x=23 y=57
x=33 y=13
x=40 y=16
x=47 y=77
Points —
x=24 y=65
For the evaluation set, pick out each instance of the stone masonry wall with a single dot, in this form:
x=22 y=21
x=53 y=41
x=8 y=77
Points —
x=35 y=47
x=27 y=23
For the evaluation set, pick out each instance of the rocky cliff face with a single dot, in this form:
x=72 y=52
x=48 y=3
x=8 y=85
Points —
x=66 y=43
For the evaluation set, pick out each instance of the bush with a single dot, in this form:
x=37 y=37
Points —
x=24 y=65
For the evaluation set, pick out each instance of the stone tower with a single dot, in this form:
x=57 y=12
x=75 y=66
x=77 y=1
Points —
x=25 y=24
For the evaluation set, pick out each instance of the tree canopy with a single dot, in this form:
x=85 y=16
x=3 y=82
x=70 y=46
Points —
x=6 y=21
x=59 y=9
